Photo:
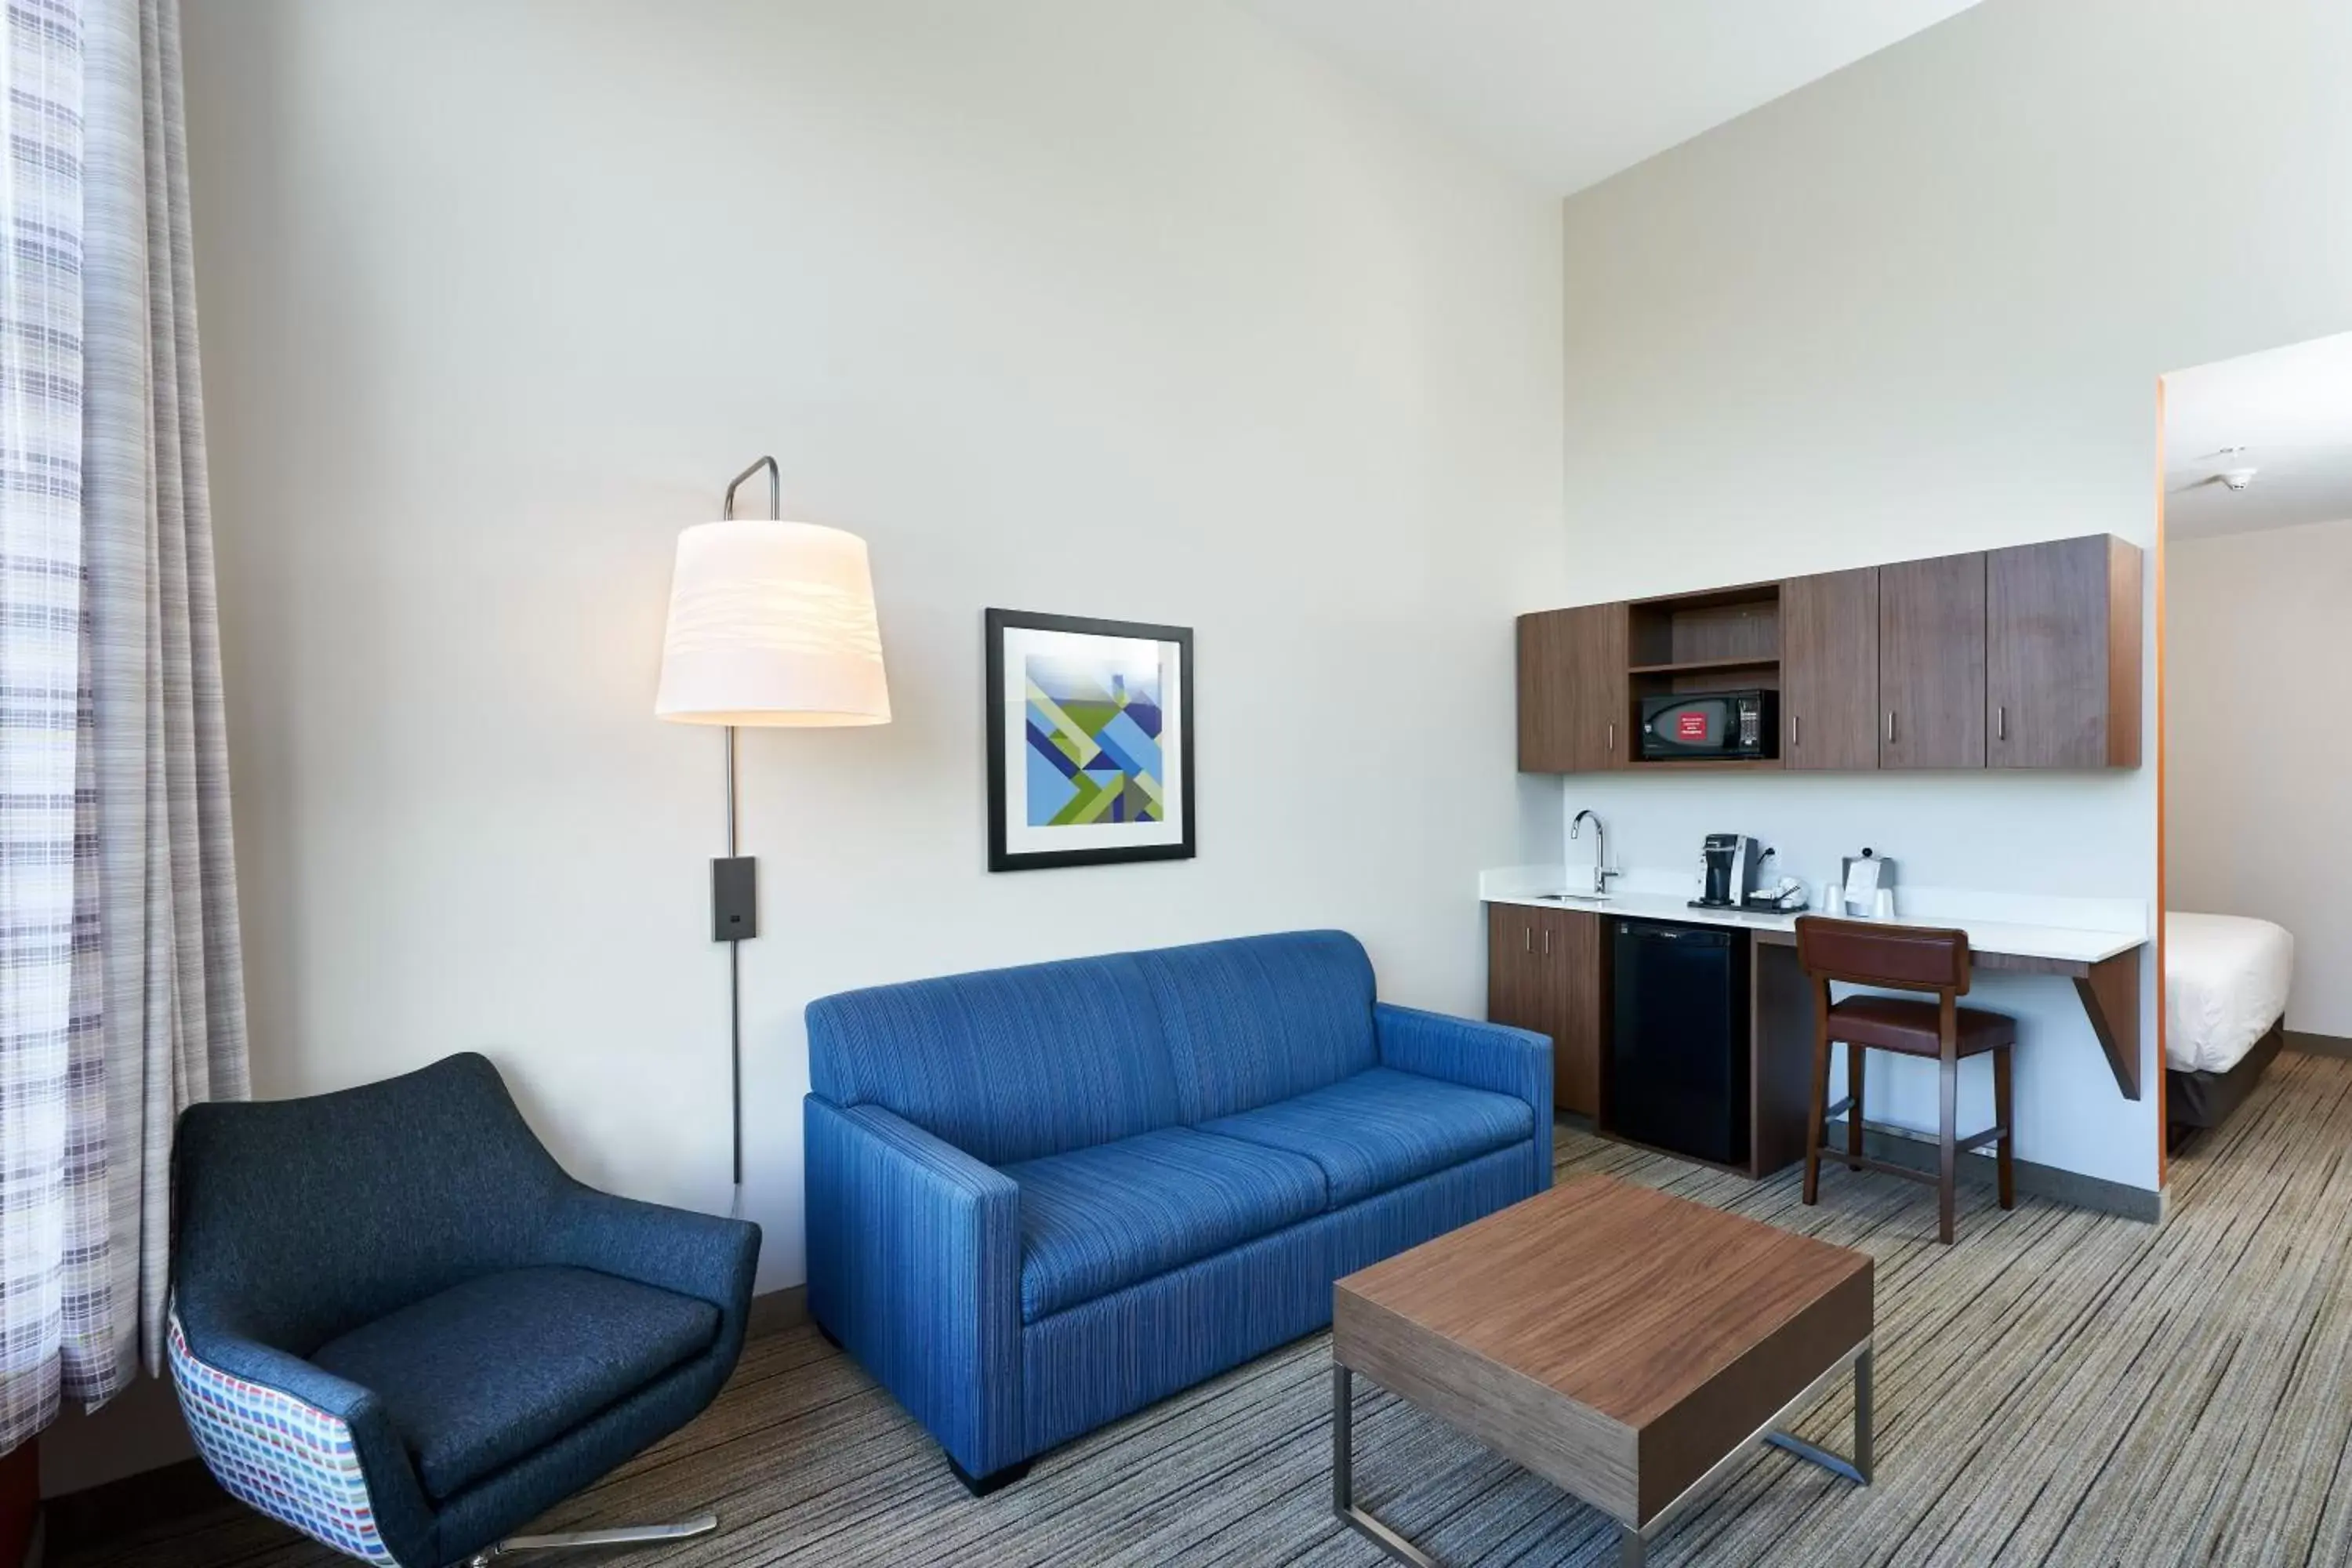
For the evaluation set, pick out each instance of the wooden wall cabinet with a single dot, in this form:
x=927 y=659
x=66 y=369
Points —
x=2024 y=657
x=2062 y=655
x=1544 y=972
x=1828 y=670
x=1575 y=716
x=1931 y=663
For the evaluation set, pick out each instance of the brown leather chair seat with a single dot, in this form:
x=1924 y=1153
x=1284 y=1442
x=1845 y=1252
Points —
x=1898 y=1024
x=1903 y=958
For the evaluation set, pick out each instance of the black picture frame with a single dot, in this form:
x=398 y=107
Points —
x=1001 y=857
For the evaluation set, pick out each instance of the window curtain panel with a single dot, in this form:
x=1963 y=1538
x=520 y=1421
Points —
x=118 y=533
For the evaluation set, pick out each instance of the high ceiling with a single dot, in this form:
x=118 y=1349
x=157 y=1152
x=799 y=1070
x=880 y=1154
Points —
x=2288 y=413
x=1570 y=91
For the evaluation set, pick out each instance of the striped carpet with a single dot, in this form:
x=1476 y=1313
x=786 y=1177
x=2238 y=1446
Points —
x=2060 y=1387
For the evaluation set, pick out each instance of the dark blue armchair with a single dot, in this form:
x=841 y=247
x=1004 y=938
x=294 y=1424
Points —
x=399 y=1327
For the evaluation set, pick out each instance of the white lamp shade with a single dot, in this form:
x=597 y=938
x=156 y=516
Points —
x=771 y=622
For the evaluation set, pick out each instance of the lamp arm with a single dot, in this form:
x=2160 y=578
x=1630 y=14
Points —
x=775 y=490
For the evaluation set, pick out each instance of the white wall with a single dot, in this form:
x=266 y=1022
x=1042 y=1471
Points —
x=2255 y=812
x=1921 y=307
x=1122 y=310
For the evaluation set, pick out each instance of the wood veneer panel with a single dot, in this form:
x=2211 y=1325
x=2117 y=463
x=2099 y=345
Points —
x=2125 y=628
x=1514 y=974
x=1599 y=702
x=1602 y=1304
x=1828 y=670
x=1780 y=1073
x=2049 y=655
x=1574 y=713
x=1545 y=726
x=1931 y=663
x=1583 y=979
x=1544 y=973
x=2110 y=994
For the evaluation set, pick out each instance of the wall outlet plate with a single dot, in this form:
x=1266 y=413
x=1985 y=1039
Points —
x=734 y=898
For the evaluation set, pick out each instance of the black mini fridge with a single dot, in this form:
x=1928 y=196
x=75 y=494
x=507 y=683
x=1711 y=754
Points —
x=1678 y=1056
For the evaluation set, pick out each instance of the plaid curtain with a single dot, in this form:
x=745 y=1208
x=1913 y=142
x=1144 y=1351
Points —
x=55 y=1290
x=121 y=995
x=164 y=867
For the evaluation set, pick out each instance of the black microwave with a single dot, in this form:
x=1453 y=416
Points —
x=1730 y=724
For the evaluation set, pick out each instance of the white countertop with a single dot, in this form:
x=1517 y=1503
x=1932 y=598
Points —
x=1666 y=897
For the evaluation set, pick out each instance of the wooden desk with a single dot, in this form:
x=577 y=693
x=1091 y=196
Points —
x=1571 y=981
x=2109 y=987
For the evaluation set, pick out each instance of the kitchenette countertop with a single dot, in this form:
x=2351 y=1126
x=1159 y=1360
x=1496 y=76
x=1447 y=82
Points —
x=2025 y=927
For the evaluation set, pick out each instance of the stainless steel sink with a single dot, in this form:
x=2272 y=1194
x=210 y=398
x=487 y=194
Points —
x=1574 y=897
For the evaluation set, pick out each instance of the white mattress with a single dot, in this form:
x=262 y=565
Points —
x=2225 y=984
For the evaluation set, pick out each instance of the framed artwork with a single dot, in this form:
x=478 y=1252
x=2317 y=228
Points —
x=1089 y=742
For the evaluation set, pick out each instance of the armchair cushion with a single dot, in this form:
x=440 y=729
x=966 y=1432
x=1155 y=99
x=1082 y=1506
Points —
x=1382 y=1128
x=1095 y=1220
x=480 y=1375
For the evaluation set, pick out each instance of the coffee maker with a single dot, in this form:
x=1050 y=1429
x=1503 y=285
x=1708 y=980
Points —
x=1730 y=865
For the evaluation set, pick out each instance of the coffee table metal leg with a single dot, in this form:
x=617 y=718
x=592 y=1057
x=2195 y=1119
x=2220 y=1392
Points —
x=1862 y=1415
x=1857 y=1468
x=1343 y=1476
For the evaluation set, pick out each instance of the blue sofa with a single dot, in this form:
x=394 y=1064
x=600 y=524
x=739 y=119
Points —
x=1041 y=1198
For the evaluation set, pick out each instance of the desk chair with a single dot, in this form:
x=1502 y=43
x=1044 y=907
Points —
x=1902 y=958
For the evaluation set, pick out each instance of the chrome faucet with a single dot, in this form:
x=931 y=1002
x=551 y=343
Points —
x=1600 y=871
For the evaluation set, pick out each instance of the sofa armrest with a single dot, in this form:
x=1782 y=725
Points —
x=914 y=1265
x=1496 y=1056
x=698 y=1255
x=312 y=1450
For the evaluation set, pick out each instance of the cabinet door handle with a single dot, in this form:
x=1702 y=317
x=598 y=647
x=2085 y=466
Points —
x=1547 y=939
x=1890 y=726
x=1527 y=940
x=1795 y=729
x=2001 y=722
x=1612 y=738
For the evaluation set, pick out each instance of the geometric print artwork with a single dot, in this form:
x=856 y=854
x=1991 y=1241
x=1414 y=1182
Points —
x=1093 y=752
x=272 y=1452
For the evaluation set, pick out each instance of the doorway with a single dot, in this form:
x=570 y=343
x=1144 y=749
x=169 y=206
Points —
x=2254 y=632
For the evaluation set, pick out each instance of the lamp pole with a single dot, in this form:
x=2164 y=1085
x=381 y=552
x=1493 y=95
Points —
x=770 y=623
x=719 y=877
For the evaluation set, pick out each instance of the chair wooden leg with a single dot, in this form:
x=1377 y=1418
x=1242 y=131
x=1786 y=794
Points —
x=1947 y=1151
x=1856 y=1060
x=1813 y=1117
x=2000 y=1113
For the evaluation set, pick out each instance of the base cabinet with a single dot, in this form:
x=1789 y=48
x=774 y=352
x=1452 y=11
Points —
x=1545 y=972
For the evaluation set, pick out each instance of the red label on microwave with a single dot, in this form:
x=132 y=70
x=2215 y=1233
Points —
x=1690 y=726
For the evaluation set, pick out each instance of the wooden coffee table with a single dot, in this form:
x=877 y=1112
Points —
x=1625 y=1345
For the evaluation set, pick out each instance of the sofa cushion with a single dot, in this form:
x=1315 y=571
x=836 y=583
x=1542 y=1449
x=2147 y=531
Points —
x=1261 y=1018
x=484 y=1373
x=1006 y=1064
x=1096 y=1220
x=1382 y=1128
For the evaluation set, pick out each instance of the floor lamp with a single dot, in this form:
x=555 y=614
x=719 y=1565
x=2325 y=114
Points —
x=771 y=623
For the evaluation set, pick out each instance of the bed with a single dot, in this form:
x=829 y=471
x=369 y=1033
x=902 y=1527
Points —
x=2225 y=986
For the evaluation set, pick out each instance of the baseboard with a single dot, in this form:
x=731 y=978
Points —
x=2318 y=1045
x=1975 y=1168
x=777 y=1311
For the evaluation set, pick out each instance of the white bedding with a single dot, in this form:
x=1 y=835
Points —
x=2225 y=984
